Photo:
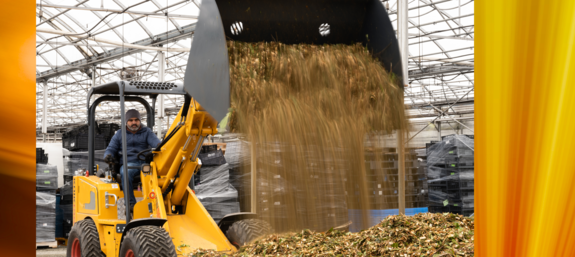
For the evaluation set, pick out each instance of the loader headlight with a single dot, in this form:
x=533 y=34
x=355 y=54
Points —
x=146 y=168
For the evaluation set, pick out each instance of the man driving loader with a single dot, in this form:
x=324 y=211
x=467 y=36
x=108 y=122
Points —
x=140 y=138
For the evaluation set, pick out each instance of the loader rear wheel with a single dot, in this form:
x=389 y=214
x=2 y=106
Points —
x=84 y=240
x=149 y=241
x=245 y=231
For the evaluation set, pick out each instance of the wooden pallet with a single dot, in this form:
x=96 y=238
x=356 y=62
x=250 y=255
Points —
x=51 y=244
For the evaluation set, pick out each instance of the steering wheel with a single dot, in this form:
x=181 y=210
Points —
x=142 y=154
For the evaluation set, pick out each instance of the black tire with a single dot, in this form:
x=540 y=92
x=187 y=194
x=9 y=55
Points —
x=84 y=240
x=148 y=241
x=243 y=232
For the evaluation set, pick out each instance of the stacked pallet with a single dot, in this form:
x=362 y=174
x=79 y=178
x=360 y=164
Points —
x=46 y=185
x=46 y=178
x=75 y=144
x=76 y=163
x=450 y=165
x=322 y=194
x=216 y=193
x=272 y=203
x=108 y=130
x=66 y=201
x=45 y=216
x=421 y=155
x=314 y=199
x=76 y=139
x=238 y=158
x=383 y=180
x=41 y=157
x=212 y=184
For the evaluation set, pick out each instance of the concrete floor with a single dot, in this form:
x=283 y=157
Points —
x=52 y=252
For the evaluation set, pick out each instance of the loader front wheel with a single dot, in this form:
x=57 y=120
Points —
x=84 y=240
x=147 y=241
x=245 y=231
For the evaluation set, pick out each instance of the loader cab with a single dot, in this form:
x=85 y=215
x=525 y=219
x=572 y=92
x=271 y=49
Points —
x=125 y=91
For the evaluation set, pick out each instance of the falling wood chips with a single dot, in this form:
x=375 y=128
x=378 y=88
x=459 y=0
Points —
x=317 y=103
x=328 y=98
x=428 y=234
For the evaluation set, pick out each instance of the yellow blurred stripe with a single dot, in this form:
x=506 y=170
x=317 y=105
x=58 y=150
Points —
x=525 y=128
x=17 y=128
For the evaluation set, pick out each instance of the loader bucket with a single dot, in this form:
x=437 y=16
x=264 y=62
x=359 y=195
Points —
x=289 y=22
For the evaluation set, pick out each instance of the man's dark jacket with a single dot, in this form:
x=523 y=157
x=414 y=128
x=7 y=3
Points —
x=141 y=140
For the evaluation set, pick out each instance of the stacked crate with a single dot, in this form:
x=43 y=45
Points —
x=238 y=158
x=75 y=152
x=76 y=139
x=45 y=216
x=383 y=180
x=212 y=184
x=46 y=185
x=273 y=201
x=41 y=157
x=108 y=130
x=272 y=204
x=59 y=218
x=314 y=199
x=216 y=193
x=327 y=177
x=46 y=178
x=421 y=155
x=66 y=201
x=450 y=175
x=76 y=163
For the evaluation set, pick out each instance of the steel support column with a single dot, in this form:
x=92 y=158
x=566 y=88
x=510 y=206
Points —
x=161 y=78
x=93 y=75
x=402 y=36
x=45 y=108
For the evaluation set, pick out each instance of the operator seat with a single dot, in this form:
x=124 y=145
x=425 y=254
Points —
x=116 y=175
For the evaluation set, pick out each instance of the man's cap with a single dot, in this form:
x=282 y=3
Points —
x=132 y=114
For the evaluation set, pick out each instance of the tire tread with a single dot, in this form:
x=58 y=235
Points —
x=245 y=231
x=89 y=238
x=153 y=241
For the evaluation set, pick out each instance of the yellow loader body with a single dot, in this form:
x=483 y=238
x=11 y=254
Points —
x=96 y=199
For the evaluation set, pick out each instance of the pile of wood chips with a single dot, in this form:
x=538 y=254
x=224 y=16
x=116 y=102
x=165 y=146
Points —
x=428 y=234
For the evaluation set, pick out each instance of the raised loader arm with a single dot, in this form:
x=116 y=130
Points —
x=176 y=159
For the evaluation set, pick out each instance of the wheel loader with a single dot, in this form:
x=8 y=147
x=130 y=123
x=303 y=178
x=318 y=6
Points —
x=169 y=220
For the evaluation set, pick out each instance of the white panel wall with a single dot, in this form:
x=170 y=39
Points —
x=55 y=157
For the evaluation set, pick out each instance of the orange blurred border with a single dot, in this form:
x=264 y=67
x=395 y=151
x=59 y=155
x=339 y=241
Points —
x=17 y=128
x=525 y=128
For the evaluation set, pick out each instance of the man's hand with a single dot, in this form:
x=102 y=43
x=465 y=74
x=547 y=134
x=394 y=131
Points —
x=109 y=159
